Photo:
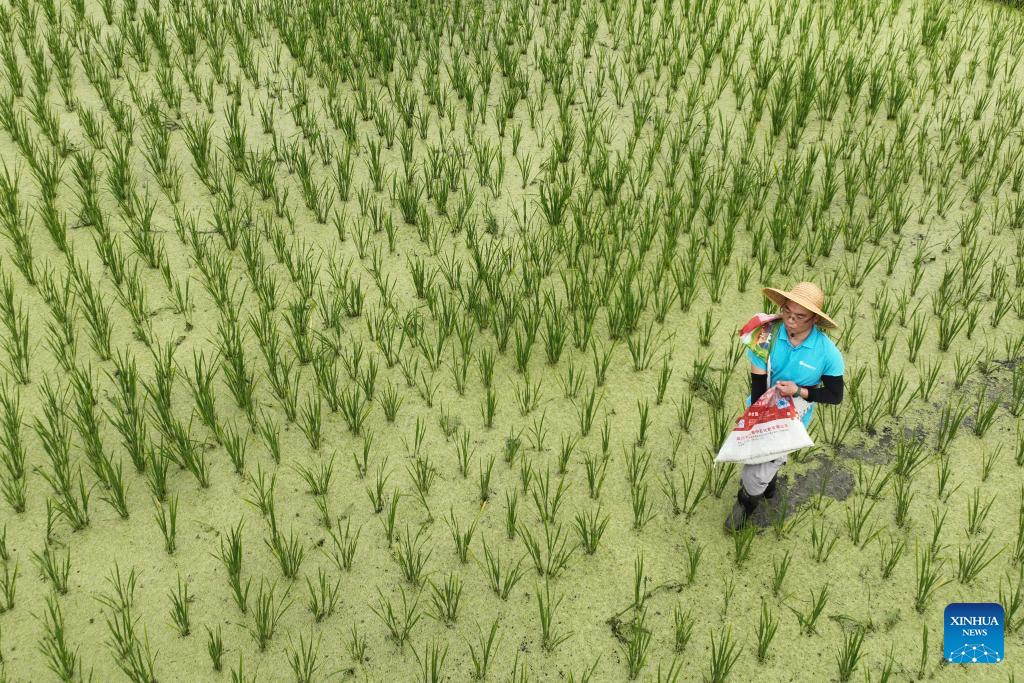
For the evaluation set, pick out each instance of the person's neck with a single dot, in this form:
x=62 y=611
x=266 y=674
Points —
x=797 y=339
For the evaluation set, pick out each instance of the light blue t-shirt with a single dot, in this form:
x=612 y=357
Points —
x=817 y=355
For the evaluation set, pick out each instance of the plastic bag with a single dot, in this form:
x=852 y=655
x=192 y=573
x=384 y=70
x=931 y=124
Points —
x=770 y=427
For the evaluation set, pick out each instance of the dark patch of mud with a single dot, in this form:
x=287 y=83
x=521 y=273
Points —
x=881 y=451
x=996 y=384
x=829 y=479
x=1009 y=363
x=835 y=477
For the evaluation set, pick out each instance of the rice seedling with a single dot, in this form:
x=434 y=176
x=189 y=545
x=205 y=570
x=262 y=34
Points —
x=637 y=644
x=743 y=542
x=461 y=538
x=858 y=528
x=964 y=366
x=215 y=647
x=891 y=552
x=231 y=557
x=481 y=655
x=180 y=601
x=323 y=596
x=485 y=479
x=376 y=492
x=572 y=381
x=766 y=630
x=922 y=668
x=412 y=556
x=977 y=512
x=115 y=491
x=871 y=482
x=724 y=654
x=399 y=624
x=1016 y=399
x=201 y=386
x=390 y=402
x=590 y=527
x=489 y=407
x=262 y=491
x=728 y=590
x=849 y=655
x=928 y=579
x=267 y=612
x=528 y=395
x=445 y=599
x=390 y=519
x=311 y=421
x=357 y=645
x=12 y=450
x=355 y=409
x=550 y=639
x=988 y=461
x=344 y=545
x=823 y=541
x=63 y=661
x=432 y=663
x=238 y=675
x=1018 y=547
x=289 y=552
x=538 y=431
x=908 y=456
x=809 y=619
x=134 y=655
x=641 y=506
x=972 y=560
x=304 y=660
x=55 y=568
x=317 y=476
x=682 y=628
x=167 y=520
x=551 y=558
x=8 y=586
x=644 y=411
x=502 y=579
x=985 y=412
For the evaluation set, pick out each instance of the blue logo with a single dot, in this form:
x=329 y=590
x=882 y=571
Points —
x=973 y=633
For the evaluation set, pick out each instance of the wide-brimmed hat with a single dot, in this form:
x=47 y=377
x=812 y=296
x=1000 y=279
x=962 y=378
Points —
x=808 y=295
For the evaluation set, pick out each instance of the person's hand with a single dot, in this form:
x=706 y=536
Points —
x=787 y=388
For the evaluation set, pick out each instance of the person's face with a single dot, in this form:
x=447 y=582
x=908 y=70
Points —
x=796 y=318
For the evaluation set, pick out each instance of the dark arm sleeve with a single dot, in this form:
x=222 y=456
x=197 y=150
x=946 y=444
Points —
x=831 y=392
x=758 y=385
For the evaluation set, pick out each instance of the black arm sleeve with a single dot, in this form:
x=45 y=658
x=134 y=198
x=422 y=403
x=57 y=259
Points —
x=758 y=385
x=832 y=392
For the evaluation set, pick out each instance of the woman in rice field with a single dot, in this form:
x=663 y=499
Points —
x=804 y=363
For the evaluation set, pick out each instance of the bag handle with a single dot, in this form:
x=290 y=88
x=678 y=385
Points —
x=771 y=345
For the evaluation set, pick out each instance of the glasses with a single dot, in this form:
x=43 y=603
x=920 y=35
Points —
x=802 y=318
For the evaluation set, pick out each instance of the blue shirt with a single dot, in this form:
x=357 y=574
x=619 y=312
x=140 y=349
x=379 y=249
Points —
x=817 y=355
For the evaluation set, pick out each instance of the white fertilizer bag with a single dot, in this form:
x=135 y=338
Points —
x=770 y=427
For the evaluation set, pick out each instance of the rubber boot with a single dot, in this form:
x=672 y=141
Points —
x=742 y=509
x=769 y=492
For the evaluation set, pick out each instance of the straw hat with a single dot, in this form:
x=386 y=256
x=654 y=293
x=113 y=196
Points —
x=807 y=294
